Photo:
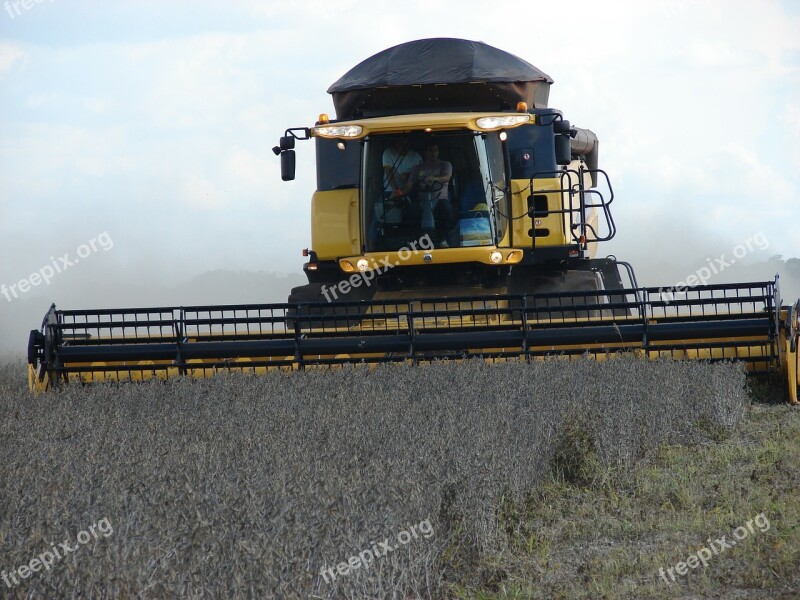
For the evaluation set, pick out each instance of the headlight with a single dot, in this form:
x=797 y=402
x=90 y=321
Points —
x=338 y=131
x=362 y=264
x=489 y=123
x=495 y=257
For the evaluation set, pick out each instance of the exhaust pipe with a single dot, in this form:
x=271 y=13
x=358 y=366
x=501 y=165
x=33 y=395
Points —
x=584 y=143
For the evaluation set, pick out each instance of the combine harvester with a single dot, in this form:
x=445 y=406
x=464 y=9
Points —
x=489 y=254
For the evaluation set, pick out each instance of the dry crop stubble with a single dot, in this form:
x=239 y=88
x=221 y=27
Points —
x=245 y=486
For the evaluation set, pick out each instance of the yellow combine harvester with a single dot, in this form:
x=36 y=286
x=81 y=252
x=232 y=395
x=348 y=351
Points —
x=456 y=215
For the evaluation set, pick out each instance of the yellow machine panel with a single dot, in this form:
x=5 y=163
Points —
x=548 y=227
x=335 y=224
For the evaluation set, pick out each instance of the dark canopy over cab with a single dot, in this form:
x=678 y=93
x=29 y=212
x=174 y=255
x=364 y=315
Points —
x=438 y=74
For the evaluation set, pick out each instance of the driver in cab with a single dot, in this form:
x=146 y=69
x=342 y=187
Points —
x=432 y=174
x=430 y=177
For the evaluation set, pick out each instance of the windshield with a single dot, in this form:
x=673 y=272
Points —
x=449 y=186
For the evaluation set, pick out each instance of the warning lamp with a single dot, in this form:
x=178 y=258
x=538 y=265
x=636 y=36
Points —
x=347 y=266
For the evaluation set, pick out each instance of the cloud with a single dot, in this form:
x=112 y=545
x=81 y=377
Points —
x=198 y=192
x=719 y=54
x=321 y=10
x=789 y=119
x=9 y=54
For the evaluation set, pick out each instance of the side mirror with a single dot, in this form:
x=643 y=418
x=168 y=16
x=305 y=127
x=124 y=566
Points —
x=563 y=149
x=287 y=165
x=286 y=143
x=561 y=126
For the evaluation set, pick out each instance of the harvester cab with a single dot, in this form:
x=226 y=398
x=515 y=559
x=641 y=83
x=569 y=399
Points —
x=456 y=215
x=503 y=200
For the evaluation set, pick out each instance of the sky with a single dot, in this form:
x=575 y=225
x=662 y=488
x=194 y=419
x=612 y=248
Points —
x=151 y=123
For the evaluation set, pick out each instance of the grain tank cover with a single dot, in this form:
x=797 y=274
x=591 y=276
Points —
x=436 y=75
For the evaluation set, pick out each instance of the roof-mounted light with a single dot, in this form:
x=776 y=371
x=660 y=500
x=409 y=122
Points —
x=338 y=131
x=501 y=122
